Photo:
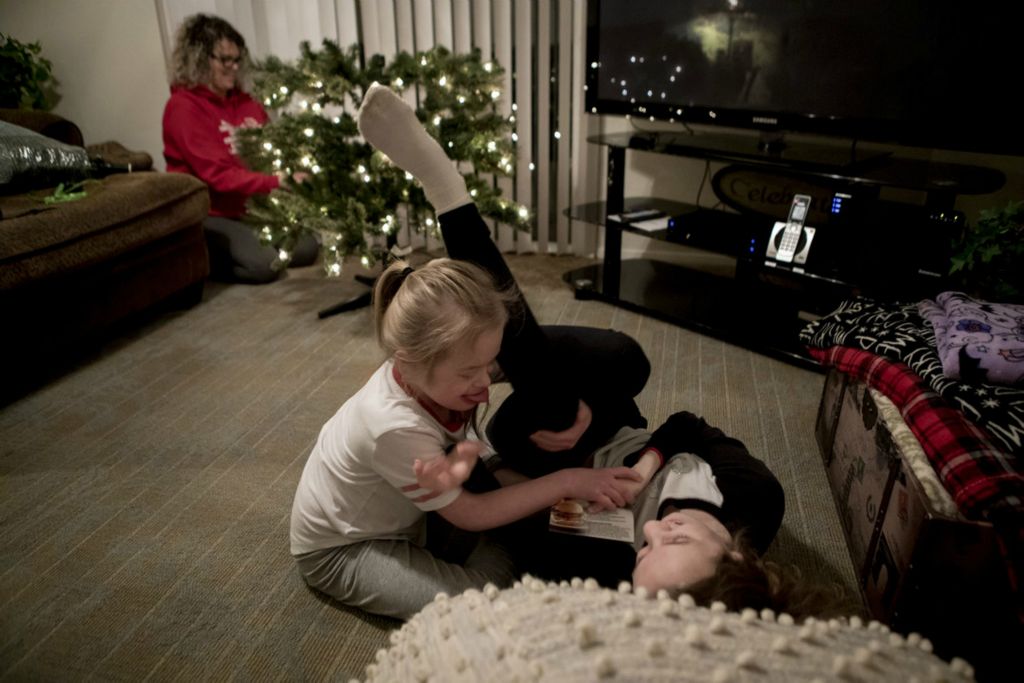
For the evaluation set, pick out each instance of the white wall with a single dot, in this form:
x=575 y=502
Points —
x=108 y=58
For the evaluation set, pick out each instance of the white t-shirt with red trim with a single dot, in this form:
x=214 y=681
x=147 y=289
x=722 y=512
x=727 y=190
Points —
x=358 y=482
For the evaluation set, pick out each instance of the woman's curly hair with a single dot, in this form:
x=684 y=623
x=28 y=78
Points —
x=194 y=46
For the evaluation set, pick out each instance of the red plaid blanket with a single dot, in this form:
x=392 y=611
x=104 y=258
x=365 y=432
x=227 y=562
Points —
x=977 y=474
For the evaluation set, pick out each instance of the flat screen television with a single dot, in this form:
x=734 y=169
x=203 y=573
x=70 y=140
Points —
x=931 y=73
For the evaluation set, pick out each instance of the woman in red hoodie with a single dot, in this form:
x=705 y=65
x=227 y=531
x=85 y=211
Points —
x=207 y=105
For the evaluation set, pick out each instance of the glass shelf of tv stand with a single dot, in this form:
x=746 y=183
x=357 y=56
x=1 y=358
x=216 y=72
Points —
x=761 y=311
x=860 y=166
x=722 y=232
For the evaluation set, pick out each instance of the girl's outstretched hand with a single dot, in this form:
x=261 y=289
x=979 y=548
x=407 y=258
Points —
x=606 y=488
x=564 y=440
x=448 y=471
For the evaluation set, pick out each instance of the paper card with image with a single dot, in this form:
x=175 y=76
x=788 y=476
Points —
x=570 y=516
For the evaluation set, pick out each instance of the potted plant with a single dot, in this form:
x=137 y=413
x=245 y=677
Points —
x=26 y=77
x=988 y=260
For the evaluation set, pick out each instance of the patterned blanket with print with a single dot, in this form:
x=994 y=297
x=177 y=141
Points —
x=899 y=332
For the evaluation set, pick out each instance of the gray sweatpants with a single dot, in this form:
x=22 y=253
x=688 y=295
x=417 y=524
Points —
x=398 y=578
x=237 y=255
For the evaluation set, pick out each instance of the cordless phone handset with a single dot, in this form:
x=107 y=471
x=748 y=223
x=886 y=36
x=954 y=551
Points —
x=794 y=228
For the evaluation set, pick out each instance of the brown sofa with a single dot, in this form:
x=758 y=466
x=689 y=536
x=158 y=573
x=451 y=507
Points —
x=70 y=270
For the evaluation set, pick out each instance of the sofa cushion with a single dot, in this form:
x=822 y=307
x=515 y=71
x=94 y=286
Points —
x=120 y=213
x=45 y=123
x=115 y=154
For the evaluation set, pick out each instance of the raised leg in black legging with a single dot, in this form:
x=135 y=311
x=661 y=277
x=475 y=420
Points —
x=551 y=368
x=549 y=377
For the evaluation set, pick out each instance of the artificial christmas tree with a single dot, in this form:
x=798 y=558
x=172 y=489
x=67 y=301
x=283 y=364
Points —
x=339 y=187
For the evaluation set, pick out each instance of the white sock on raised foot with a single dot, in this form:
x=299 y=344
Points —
x=391 y=126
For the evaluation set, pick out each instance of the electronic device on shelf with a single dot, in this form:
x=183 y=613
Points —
x=790 y=241
x=794 y=228
x=640 y=215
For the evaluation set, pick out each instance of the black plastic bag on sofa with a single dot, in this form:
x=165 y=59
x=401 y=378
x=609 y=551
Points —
x=30 y=161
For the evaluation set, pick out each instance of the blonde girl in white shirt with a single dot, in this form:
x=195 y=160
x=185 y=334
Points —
x=358 y=520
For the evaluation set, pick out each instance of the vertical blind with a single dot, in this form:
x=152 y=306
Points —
x=540 y=44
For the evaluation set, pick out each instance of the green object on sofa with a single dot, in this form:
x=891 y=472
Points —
x=71 y=270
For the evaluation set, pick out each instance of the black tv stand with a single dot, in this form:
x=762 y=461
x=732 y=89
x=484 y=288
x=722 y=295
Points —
x=765 y=304
x=742 y=310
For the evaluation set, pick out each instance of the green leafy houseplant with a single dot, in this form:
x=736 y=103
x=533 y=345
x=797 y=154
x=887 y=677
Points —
x=26 y=77
x=988 y=261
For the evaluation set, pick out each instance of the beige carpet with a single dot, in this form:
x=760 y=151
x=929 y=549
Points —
x=145 y=493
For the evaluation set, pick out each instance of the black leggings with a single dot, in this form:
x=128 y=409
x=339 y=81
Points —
x=550 y=368
x=604 y=368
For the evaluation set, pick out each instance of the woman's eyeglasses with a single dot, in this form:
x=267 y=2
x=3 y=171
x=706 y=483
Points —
x=227 y=61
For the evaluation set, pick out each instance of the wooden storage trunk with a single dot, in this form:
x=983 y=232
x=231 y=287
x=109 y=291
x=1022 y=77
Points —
x=919 y=569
